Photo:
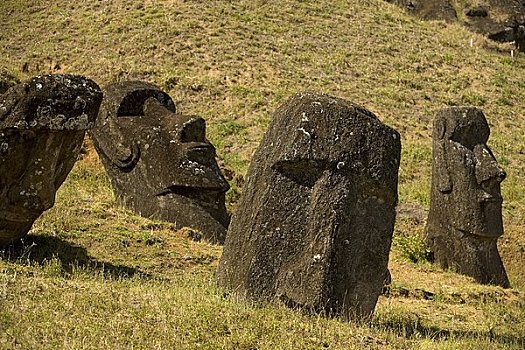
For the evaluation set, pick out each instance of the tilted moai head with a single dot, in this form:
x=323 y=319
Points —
x=42 y=126
x=314 y=224
x=160 y=163
x=465 y=211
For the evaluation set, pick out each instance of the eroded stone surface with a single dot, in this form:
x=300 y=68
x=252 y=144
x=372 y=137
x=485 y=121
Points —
x=160 y=163
x=42 y=126
x=464 y=220
x=315 y=221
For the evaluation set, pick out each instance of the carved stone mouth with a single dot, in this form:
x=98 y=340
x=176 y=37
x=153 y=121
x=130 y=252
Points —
x=492 y=199
x=196 y=193
x=200 y=147
x=199 y=150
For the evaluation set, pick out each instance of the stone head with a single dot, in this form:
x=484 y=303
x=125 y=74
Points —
x=159 y=162
x=466 y=176
x=42 y=126
x=318 y=205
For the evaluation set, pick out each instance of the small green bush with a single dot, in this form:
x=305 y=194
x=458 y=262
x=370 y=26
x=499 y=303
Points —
x=412 y=248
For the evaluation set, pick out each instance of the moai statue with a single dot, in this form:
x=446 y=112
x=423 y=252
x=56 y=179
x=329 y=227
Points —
x=314 y=224
x=464 y=221
x=42 y=126
x=160 y=163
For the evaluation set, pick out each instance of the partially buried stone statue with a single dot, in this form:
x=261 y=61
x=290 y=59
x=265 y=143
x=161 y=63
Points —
x=464 y=221
x=42 y=126
x=160 y=163
x=314 y=225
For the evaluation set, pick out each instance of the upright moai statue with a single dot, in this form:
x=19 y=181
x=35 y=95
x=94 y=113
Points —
x=314 y=224
x=42 y=126
x=464 y=221
x=160 y=163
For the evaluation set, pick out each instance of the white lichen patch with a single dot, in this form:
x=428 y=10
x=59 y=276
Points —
x=194 y=166
x=305 y=132
x=304 y=117
x=199 y=171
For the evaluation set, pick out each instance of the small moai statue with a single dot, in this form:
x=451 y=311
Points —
x=159 y=162
x=42 y=125
x=314 y=224
x=464 y=220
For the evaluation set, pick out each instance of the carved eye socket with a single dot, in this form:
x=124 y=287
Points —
x=133 y=104
x=469 y=136
x=304 y=172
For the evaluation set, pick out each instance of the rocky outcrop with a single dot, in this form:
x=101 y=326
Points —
x=500 y=20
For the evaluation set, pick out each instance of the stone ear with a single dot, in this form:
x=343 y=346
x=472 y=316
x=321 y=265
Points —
x=123 y=157
x=440 y=173
x=127 y=159
x=110 y=142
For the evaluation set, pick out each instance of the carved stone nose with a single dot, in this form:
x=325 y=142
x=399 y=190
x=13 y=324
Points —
x=487 y=167
x=492 y=172
x=193 y=130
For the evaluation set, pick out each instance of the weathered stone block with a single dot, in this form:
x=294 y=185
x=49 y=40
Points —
x=42 y=126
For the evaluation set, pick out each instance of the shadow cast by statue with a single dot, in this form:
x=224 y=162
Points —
x=414 y=328
x=40 y=249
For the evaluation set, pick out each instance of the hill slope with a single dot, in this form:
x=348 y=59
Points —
x=92 y=275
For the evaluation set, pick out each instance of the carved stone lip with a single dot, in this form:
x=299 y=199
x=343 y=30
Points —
x=188 y=191
x=199 y=152
x=491 y=199
x=198 y=146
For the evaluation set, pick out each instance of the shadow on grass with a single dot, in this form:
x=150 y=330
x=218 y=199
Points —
x=414 y=329
x=40 y=249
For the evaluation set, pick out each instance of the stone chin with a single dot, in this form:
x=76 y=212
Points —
x=196 y=199
x=186 y=208
x=480 y=218
x=493 y=220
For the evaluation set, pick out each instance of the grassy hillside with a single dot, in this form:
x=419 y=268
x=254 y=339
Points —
x=94 y=276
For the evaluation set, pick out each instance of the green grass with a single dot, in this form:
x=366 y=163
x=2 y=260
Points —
x=94 y=276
